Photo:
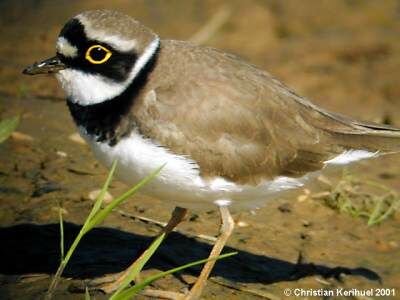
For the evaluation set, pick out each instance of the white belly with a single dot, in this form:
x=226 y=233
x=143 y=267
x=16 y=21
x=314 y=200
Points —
x=179 y=181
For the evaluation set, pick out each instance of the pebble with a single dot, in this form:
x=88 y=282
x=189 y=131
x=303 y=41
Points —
x=19 y=136
x=304 y=196
x=94 y=194
x=75 y=137
x=58 y=208
x=383 y=246
x=242 y=224
x=323 y=281
x=61 y=154
x=285 y=208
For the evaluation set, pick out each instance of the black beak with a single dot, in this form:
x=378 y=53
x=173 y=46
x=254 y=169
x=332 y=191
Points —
x=51 y=65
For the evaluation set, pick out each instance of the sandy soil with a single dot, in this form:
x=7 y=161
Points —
x=345 y=55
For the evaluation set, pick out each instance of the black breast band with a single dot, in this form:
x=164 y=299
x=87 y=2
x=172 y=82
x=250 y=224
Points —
x=109 y=120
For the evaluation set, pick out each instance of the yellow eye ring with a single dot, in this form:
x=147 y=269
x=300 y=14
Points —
x=97 y=61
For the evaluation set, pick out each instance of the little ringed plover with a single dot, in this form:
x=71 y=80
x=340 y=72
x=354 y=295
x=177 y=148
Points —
x=231 y=135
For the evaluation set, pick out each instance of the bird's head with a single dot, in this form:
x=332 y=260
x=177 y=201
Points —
x=99 y=53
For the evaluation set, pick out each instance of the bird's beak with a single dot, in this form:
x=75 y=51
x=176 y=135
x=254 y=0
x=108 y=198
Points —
x=51 y=65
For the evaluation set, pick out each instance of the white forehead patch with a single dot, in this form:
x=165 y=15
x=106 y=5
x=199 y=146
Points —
x=114 y=41
x=65 y=48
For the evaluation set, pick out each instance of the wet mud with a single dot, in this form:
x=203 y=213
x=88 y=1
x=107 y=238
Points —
x=344 y=55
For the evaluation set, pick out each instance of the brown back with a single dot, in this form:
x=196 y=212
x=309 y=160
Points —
x=240 y=123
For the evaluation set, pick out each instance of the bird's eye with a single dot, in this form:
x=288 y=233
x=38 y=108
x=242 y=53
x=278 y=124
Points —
x=97 y=54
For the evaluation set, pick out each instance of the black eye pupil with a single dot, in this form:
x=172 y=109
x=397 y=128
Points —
x=98 y=53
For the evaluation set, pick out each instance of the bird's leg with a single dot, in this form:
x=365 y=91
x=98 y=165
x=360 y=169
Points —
x=226 y=229
x=177 y=216
x=227 y=225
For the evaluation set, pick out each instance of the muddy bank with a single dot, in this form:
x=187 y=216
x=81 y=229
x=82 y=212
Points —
x=345 y=55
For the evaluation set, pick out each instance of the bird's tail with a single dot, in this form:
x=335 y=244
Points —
x=381 y=139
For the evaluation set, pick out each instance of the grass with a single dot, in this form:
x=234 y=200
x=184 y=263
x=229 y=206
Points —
x=134 y=290
x=95 y=217
x=23 y=90
x=364 y=199
x=60 y=216
x=7 y=126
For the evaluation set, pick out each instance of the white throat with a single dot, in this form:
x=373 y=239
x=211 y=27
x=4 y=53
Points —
x=87 y=89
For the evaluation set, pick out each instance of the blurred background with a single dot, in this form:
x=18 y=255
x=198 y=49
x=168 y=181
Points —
x=343 y=54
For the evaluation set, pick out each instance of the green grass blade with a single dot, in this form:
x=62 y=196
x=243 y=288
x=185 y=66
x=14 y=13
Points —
x=139 y=264
x=383 y=216
x=104 y=189
x=94 y=212
x=376 y=212
x=96 y=207
x=102 y=214
x=87 y=294
x=132 y=291
x=61 y=233
x=7 y=126
x=96 y=216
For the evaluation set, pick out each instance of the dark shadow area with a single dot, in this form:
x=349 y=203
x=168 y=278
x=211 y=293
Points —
x=30 y=248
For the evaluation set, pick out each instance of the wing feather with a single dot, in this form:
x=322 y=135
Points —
x=236 y=121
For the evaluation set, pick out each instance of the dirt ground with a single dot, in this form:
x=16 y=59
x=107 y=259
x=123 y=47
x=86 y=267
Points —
x=343 y=54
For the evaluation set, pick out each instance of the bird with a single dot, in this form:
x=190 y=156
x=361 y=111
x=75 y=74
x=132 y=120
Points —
x=230 y=135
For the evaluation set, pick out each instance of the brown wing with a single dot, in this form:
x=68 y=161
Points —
x=233 y=119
